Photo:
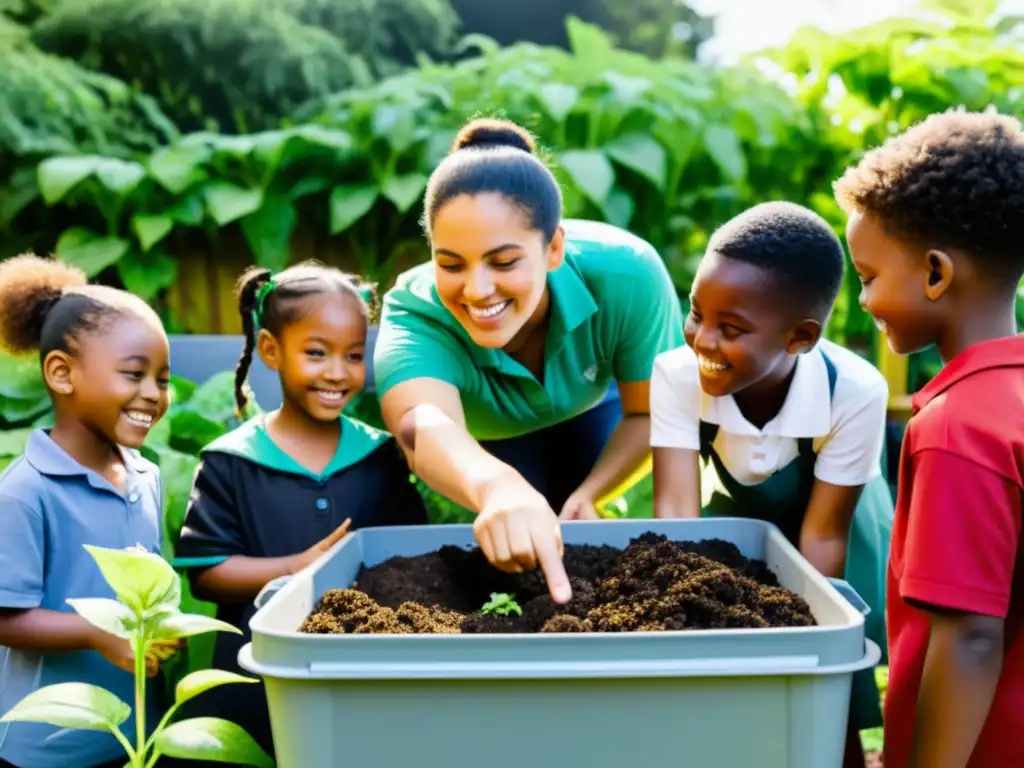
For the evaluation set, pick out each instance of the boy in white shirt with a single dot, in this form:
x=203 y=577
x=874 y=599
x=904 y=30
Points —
x=759 y=416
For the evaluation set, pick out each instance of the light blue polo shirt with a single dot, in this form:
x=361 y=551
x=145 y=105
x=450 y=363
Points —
x=50 y=506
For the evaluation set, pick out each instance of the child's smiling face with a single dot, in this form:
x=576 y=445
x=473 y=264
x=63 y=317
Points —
x=743 y=332
x=119 y=379
x=320 y=356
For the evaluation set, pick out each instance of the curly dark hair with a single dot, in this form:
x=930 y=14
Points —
x=46 y=304
x=954 y=180
x=794 y=245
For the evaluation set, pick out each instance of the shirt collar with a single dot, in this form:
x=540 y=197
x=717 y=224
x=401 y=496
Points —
x=48 y=458
x=1006 y=352
x=806 y=411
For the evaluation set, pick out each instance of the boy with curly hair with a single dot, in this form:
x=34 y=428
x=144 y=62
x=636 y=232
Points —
x=936 y=232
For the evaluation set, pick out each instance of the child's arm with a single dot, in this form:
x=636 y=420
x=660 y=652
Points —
x=675 y=440
x=825 y=533
x=23 y=623
x=849 y=458
x=963 y=533
x=212 y=543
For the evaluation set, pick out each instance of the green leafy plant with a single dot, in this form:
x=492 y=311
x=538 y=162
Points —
x=146 y=612
x=503 y=604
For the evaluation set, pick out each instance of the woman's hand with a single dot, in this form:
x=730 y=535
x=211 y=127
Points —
x=517 y=531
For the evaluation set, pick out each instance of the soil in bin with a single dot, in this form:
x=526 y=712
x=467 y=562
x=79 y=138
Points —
x=652 y=585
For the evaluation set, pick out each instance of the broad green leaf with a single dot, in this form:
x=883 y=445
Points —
x=210 y=738
x=13 y=441
x=619 y=208
x=349 y=203
x=558 y=99
x=405 y=190
x=21 y=376
x=643 y=154
x=146 y=274
x=178 y=168
x=723 y=145
x=179 y=625
x=71 y=705
x=119 y=176
x=109 y=615
x=590 y=171
x=192 y=430
x=20 y=190
x=151 y=228
x=215 y=397
x=227 y=202
x=189 y=210
x=14 y=410
x=59 y=175
x=141 y=580
x=89 y=251
x=203 y=680
x=269 y=232
x=395 y=124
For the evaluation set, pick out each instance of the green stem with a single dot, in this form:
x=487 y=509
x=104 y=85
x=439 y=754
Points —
x=160 y=727
x=153 y=759
x=140 y=700
x=124 y=743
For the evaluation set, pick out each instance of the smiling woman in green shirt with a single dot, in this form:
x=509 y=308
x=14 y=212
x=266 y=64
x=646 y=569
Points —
x=494 y=359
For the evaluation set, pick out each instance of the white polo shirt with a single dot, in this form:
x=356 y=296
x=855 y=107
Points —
x=848 y=431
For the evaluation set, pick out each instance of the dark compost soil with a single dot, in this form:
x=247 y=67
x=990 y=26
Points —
x=652 y=585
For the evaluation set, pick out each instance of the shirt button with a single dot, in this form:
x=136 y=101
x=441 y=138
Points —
x=322 y=504
x=133 y=497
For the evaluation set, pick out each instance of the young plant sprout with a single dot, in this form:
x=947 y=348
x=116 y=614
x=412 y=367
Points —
x=146 y=613
x=503 y=603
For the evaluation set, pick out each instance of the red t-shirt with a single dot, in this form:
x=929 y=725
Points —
x=957 y=537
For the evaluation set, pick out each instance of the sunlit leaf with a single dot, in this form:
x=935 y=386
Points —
x=209 y=738
x=141 y=579
x=89 y=251
x=203 y=680
x=349 y=203
x=71 y=705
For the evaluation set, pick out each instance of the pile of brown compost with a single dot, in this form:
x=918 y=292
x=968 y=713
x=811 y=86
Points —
x=652 y=585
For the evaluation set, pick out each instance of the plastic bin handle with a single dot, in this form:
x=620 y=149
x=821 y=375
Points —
x=843 y=587
x=270 y=589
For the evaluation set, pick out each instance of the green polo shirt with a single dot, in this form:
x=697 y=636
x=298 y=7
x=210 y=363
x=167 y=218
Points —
x=613 y=310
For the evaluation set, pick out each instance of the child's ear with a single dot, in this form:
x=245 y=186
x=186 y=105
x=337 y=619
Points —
x=939 y=274
x=268 y=349
x=57 y=373
x=804 y=336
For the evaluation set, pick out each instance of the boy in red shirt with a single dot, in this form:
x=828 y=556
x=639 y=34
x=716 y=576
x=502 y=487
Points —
x=936 y=232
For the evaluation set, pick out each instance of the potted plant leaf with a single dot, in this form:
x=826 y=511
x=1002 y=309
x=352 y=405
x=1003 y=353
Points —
x=147 y=614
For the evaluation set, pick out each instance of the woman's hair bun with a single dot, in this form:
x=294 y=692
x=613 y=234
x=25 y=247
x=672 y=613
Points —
x=491 y=132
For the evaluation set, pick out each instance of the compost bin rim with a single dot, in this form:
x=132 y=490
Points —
x=558 y=670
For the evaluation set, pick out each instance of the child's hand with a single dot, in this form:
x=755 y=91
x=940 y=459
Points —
x=579 y=506
x=118 y=652
x=310 y=556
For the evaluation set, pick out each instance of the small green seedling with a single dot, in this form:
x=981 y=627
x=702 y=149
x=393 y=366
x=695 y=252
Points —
x=503 y=603
x=146 y=613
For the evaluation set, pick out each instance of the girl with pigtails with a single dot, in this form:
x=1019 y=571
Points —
x=274 y=494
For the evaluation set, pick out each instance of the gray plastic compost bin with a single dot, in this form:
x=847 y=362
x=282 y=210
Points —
x=740 y=698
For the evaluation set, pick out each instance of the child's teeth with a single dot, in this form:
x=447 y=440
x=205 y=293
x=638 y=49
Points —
x=143 y=418
x=711 y=366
